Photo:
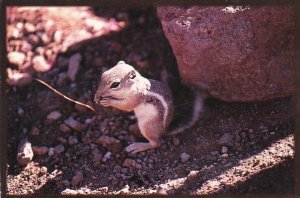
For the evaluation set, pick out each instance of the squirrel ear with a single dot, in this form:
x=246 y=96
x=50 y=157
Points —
x=121 y=62
x=132 y=74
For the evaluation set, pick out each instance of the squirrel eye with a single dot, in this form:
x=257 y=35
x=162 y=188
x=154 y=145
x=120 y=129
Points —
x=132 y=76
x=115 y=85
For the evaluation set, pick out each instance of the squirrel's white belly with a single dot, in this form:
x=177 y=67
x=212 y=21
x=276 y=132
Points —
x=145 y=112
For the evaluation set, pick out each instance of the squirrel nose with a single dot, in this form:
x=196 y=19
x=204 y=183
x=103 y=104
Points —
x=97 y=98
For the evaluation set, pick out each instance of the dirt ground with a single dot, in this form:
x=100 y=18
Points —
x=234 y=148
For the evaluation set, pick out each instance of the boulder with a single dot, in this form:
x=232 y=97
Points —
x=236 y=53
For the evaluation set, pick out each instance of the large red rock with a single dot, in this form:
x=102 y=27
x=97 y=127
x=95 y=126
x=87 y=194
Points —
x=236 y=53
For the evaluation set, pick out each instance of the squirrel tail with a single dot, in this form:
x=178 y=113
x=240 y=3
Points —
x=200 y=96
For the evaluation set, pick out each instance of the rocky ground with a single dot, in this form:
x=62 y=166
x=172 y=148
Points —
x=234 y=148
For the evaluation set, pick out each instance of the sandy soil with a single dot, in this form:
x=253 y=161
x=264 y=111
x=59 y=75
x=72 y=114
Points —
x=234 y=148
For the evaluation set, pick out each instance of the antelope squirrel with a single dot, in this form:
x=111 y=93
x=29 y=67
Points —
x=124 y=88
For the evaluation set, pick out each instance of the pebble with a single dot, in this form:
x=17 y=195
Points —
x=58 y=36
x=64 y=128
x=51 y=151
x=74 y=64
x=16 y=58
x=161 y=191
x=62 y=140
x=105 y=140
x=107 y=156
x=20 y=111
x=74 y=124
x=72 y=140
x=29 y=27
x=15 y=78
x=43 y=170
x=128 y=162
x=224 y=149
x=77 y=178
x=184 y=157
x=54 y=115
x=68 y=191
x=40 y=64
x=25 y=153
x=226 y=140
x=59 y=149
x=124 y=190
x=40 y=150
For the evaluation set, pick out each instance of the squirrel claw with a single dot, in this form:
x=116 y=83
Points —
x=138 y=147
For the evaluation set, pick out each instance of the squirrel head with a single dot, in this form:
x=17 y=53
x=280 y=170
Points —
x=122 y=82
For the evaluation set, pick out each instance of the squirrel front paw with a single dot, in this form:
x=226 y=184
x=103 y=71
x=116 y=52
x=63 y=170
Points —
x=105 y=102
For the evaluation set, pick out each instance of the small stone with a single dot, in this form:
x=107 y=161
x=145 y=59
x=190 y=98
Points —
x=40 y=64
x=25 y=153
x=193 y=174
x=74 y=64
x=77 y=178
x=15 y=78
x=62 y=140
x=224 y=149
x=58 y=36
x=105 y=140
x=59 y=149
x=116 y=147
x=20 y=111
x=161 y=191
x=250 y=131
x=16 y=58
x=54 y=115
x=68 y=191
x=40 y=51
x=43 y=170
x=124 y=191
x=176 y=141
x=107 y=156
x=184 y=157
x=50 y=151
x=128 y=162
x=74 y=124
x=72 y=140
x=89 y=121
x=40 y=150
x=29 y=27
x=226 y=140
x=64 y=128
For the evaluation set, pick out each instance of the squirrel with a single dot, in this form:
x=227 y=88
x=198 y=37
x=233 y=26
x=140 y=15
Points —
x=126 y=89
